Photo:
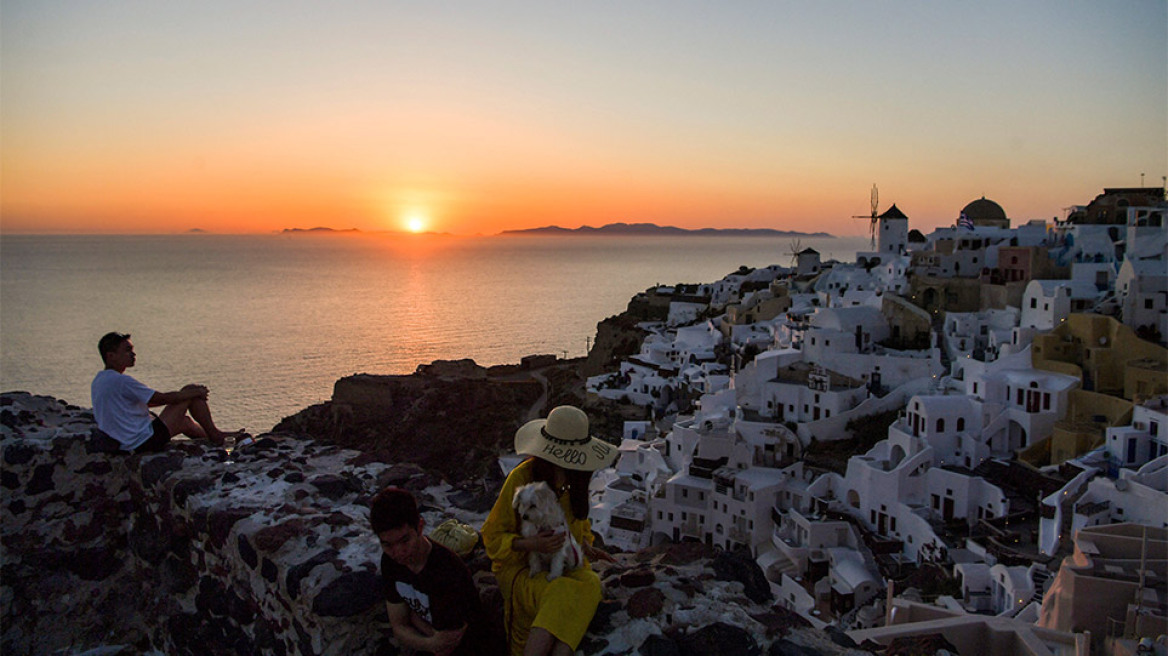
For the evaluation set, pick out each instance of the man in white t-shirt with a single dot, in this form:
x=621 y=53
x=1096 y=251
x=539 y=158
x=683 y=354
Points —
x=121 y=404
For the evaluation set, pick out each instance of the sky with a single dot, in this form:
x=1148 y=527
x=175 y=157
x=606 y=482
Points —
x=477 y=117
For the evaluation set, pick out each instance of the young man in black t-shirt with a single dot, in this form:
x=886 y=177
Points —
x=432 y=601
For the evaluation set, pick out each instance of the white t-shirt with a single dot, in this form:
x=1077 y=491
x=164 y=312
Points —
x=119 y=405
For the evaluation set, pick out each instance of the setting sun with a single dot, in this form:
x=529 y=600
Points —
x=415 y=223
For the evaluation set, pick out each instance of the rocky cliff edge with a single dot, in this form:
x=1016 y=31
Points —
x=269 y=552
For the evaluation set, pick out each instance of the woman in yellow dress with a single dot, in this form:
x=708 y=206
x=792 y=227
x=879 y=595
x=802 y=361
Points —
x=548 y=618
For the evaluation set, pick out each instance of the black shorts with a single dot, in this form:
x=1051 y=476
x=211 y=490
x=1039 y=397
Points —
x=158 y=440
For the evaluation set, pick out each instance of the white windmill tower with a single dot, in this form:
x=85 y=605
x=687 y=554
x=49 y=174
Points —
x=892 y=227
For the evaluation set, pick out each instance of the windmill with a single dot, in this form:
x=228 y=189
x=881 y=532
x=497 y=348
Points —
x=873 y=220
x=796 y=247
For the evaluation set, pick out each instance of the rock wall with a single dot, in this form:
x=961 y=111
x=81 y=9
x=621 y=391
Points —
x=184 y=551
x=456 y=422
x=189 y=552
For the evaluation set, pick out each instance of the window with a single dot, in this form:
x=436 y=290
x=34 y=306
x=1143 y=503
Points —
x=1147 y=304
x=940 y=425
x=961 y=423
x=1046 y=400
x=1154 y=428
x=1033 y=303
x=975 y=388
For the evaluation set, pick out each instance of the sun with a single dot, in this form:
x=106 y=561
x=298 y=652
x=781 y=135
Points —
x=416 y=223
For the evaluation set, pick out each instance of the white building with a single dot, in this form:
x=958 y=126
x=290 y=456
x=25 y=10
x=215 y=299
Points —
x=817 y=398
x=1142 y=286
x=1144 y=439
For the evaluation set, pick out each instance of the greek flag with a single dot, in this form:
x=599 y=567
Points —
x=965 y=222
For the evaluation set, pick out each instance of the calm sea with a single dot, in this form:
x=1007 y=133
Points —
x=269 y=323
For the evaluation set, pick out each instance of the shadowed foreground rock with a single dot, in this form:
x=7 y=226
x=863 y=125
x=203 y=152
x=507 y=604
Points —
x=450 y=417
x=186 y=552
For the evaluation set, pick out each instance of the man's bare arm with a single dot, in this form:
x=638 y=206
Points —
x=407 y=632
x=185 y=394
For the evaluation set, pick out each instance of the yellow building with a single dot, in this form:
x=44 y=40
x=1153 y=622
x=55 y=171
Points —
x=1106 y=355
x=1083 y=428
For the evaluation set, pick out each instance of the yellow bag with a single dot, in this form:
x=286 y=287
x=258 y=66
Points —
x=456 y=536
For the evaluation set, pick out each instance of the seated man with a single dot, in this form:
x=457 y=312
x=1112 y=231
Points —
x=433 y=603
x=121 y=404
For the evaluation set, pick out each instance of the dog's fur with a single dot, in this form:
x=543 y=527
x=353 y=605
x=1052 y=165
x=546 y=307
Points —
x=538 y=510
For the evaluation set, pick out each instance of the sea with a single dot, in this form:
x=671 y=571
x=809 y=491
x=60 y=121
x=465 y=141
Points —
x=270 y=322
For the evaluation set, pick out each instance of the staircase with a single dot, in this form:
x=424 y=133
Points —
x=1041 y=577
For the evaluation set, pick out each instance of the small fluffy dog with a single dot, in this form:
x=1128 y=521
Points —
x=539 y=510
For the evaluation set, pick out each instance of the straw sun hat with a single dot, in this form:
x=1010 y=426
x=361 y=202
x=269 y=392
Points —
x=563 y=439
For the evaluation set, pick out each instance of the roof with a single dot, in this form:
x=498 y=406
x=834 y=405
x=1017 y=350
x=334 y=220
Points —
x=684 y=478
x=893 y=213
x=983 y=208
x=1147 y=267
x=759 y=477
x=935 y=403
x=846 y=318
x=1046 y=379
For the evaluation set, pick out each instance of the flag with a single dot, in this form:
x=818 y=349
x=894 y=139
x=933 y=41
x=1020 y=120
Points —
x=965 y=222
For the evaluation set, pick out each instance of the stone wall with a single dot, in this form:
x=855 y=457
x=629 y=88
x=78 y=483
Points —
x=184 y=551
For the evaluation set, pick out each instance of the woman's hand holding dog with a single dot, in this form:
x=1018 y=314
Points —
x=543 y=542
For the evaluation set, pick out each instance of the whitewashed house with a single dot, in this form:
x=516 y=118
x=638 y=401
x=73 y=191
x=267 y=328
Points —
x=817 y=395
x=977 y=334
x=846 y=341
x=1045 y=304
x=1011 y=588
x=1142 y=286
x=1139 y=496
x=1020 y=404
x=952 y=425
x=1144 y=439
x=1147 y=232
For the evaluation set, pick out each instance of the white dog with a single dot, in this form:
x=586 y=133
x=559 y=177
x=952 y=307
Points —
x=539 y=510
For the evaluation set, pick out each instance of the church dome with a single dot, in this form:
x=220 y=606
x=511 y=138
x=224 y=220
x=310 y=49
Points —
x=984 y=211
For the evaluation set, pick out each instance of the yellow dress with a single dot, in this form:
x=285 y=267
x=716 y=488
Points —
x=563 y=607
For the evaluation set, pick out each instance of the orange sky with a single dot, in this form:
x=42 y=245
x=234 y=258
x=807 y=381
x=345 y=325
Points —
x=135 y=117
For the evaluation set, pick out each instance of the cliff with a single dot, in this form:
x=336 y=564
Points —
x=189 y=552
x=453 y=417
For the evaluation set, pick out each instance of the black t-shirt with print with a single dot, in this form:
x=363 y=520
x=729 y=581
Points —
x=444 y=595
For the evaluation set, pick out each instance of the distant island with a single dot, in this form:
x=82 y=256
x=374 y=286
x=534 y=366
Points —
x=318 y=231
x=652 y=229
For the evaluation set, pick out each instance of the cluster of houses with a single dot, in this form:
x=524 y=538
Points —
x=963 y=433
